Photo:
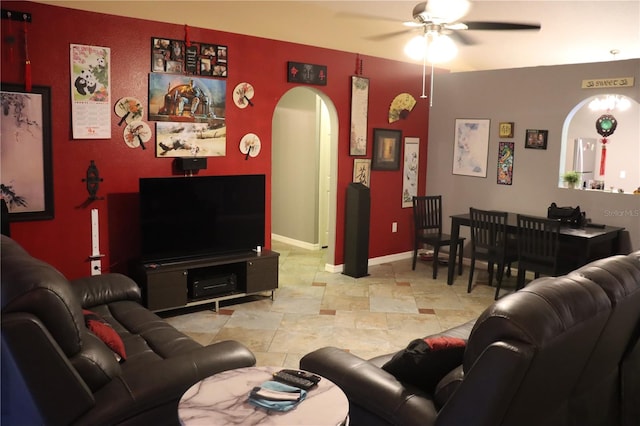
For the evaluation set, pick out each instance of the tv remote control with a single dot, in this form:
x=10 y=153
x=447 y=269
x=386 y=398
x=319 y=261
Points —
x=293 y=380
x=303 y=374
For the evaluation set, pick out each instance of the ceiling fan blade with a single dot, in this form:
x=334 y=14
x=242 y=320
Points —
x=485 y=25
x=461 y=38
x=386 y=36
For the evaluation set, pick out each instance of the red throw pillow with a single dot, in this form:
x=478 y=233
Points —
x=425 y=361
x=101 y=328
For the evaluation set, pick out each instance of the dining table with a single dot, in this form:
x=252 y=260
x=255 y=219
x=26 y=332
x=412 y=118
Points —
x=579 y=245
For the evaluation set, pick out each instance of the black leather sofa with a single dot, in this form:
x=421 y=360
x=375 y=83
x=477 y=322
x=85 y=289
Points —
x=56 y=372
x=561 y=351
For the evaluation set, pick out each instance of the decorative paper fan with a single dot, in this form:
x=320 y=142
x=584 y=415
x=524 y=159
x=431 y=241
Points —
x=250 y=145
x=401 y=107
x=129 y=110
x=136 y=134
x=242 y=95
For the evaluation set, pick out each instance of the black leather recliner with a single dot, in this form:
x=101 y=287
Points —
x=561 y=351
x=71 y=375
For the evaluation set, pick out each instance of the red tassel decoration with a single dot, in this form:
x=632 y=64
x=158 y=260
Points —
x=27 y=76
x=187 y=38
x=27 y=63
x=603 y=157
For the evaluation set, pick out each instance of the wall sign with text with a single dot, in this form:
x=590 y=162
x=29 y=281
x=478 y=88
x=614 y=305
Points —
x=297 y=72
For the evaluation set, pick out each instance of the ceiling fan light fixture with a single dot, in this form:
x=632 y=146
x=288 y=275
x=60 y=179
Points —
x=610 y=103
x=416 y=47
x=441 y=49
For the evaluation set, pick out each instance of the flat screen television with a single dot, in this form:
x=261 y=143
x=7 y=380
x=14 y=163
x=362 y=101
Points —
x=190 y=217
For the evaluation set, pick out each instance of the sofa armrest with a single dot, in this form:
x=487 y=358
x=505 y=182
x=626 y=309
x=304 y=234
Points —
x=371 y=388
x=104 y=289
x=162 y=382
x=630 y=372
x=53 y=384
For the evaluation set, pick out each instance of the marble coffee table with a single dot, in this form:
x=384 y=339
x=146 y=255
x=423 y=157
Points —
x=222 y=400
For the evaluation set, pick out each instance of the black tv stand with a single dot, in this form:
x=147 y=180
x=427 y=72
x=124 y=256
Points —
x=188 y=282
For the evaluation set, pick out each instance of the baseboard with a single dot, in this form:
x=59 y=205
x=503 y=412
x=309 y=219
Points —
x=296 y=243
x=373 y=261
x=328 y=267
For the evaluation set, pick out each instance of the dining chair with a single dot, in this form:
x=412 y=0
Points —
x=490 y=242
x=427 y=219
x=538 y=243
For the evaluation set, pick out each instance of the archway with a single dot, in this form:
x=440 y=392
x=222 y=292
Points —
x=304 y=170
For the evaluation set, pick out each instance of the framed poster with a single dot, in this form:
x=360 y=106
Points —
x=410 y=171
x=471 y=147
x=386 y=149
x=174 y=56
x=187 y=99
x=505 y=163
x=90 y=91
x=198 y=140
x=362 y=171
x=506 y=129
x=359 y=112
x=536 y=139
x=26 y=174
x=298 y=72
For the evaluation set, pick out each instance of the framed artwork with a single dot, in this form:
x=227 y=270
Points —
x=362 y=171
x=90 y=84
x=506 y=129
x=536 y=139
x=505 y=163
x=386 y=149
x=359 y=112
x=26 y=169
x=298 y=72
x=174 y=56
x=410 y=171
x=471 y=147
x=187 y=99
x=190 y=140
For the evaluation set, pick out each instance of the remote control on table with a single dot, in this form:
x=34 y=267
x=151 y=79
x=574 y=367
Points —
x=293 y=380
x=303 y=374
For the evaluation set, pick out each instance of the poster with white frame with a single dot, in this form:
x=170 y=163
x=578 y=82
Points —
x=471 y=147
x=90 y=91
x=359 y=113
x=410 y=171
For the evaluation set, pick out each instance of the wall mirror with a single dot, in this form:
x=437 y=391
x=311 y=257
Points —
x=582 y=147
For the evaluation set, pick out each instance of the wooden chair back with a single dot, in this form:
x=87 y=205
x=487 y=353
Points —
x=488 y=230
x=427 y=213
x=538 y=240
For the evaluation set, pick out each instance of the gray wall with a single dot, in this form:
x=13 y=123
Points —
x=294 y=204
x=533 y=98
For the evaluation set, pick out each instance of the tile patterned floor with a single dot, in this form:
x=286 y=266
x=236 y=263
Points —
x=312 y=308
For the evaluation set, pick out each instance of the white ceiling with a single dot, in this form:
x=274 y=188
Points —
x=572 y=31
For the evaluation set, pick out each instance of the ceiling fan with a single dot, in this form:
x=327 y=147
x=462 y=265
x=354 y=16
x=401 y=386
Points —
x=440 y=23
x=442 y=17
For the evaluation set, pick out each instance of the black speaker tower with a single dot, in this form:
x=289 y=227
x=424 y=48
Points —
x=356 y=234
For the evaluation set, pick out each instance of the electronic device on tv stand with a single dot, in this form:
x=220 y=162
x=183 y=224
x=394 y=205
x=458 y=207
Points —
x=198 y=216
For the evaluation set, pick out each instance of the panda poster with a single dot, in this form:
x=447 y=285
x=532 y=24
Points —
x=90 y=92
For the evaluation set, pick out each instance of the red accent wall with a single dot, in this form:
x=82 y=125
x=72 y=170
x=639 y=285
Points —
x=65 y=241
